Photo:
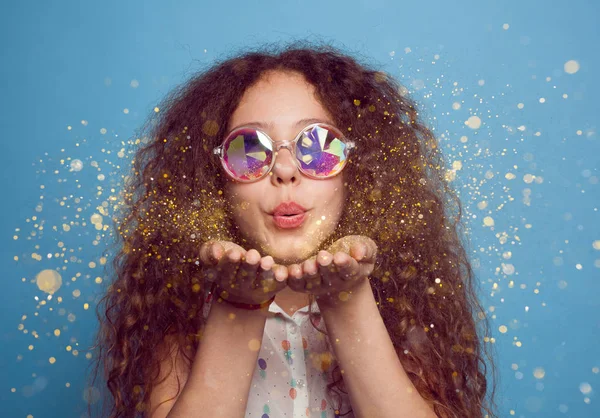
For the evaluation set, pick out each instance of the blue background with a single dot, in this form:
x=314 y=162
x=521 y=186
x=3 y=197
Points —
x=71 y=61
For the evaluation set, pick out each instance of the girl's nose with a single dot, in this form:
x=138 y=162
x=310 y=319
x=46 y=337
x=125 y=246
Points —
x=285 y=170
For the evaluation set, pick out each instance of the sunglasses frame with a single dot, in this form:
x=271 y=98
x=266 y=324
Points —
x=289 y=144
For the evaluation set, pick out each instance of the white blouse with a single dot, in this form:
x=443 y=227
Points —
x=293 y=369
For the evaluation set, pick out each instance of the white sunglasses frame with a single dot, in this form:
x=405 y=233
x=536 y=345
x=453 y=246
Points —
x=289 y=144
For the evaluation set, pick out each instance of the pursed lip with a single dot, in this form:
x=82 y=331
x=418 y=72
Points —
x=288 y=208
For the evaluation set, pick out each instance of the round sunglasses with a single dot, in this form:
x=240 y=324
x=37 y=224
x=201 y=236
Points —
x=321 y=151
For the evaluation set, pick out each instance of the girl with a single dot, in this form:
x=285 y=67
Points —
x=291 y=248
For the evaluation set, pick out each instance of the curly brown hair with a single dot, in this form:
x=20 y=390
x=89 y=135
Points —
x=398 y=195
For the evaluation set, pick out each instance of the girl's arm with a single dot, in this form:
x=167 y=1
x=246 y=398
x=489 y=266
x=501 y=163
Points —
x=218 y=383
x=377 y=383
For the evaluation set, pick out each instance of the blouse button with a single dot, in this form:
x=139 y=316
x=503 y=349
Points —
x=300 y=383
x=293 y=329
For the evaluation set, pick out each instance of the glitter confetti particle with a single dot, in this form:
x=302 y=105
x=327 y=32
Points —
x=210 y=127
x=48 y=281
x=585 y=388
x=508 y=269
x=488 y=221
x=571 y=67
x=76 y=165
x=254 y=345
x=474 y=122
x=539 y=373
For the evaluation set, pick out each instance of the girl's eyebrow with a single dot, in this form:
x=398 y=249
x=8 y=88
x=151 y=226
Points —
x=269 y=125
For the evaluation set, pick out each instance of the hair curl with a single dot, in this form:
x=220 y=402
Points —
x=398 y=196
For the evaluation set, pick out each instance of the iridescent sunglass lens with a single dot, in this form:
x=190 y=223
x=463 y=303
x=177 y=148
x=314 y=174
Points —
x=248 y=154
x=320 y=152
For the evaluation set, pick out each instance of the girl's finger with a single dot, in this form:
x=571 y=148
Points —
x=247 y=270
x=265 y=277
x=371 y=250
x=326 y=269
x=279 y=280
x=210 y=253
x=228 y=265
x=347 y=266
x=295 y=279
x=311 y=275
x=358 y=251
x=281 y=273
x=366 y=269
x=267 y=262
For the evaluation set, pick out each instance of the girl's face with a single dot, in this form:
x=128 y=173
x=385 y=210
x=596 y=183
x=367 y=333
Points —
x=277 y=104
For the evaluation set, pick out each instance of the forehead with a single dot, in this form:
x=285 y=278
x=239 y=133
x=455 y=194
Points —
x=279 y=99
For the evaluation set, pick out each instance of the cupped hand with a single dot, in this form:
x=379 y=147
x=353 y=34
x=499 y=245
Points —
x=339 y=269
x=242 y=276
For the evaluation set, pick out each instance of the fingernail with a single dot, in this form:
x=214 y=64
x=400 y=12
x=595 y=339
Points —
x=360 y=253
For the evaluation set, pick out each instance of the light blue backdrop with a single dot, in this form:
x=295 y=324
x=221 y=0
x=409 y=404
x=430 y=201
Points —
x=531 y=167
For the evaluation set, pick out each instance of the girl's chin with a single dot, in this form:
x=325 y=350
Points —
x=288 y=250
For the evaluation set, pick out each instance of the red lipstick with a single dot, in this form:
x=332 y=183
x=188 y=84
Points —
x=289 y=215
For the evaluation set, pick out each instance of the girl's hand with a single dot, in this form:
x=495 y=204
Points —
x=242 y=276
x=340 y=269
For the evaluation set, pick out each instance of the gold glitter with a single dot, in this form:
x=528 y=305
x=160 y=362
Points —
x=210 y=128
x=254 y=345
x=356 y=102
x=474 y=122
x=539 y=373
x=571 y=67
x=48 y=281
x=380 y=77
x=585 y=388
x=343 y=296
